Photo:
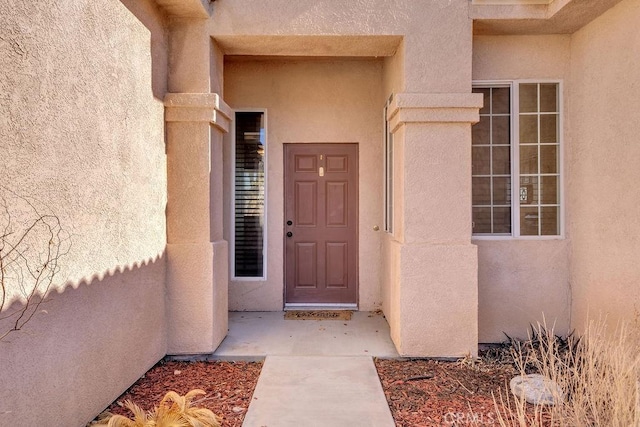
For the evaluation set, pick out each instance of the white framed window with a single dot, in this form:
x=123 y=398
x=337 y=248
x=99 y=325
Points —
x=248 y=243
x=517 y=160
x=388 y=171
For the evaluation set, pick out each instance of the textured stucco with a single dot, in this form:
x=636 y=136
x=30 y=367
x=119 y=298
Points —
x=439 y=294
x=393 y=81
x=309 y=45
x=186 y=8
x=74 y=134
x=189 y=50
x=519 y=281
x=81 y=119
x=197 y=257
x=556 y=17
x=603 y=171
x=521 y=57
x=93 y=342
x=312 y=101
x=434 y=288
x=431 y=30
x=197 y=310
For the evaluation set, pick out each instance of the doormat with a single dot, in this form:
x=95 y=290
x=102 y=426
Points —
x=318 y=315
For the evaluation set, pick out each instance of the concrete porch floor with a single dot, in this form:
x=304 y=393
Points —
x=255 y=335
x=315 y=372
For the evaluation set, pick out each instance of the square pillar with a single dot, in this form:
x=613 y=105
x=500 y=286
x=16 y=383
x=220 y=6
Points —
x=197 y=256
x=436 y=273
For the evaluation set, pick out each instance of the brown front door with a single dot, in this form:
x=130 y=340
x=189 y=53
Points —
x=321 y=223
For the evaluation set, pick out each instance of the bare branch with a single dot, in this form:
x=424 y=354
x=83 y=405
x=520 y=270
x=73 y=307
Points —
x=32 y=242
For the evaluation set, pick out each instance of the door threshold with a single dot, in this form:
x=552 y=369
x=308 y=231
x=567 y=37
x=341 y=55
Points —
x=316 y=306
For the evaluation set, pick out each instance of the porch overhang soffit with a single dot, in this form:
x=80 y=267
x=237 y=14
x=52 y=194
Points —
x=198 y=107
x=503 y=17
x=434 y=108
x=309 y=45
x=186 y=8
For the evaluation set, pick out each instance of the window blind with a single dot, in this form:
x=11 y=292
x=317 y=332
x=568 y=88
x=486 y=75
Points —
x=249 y=195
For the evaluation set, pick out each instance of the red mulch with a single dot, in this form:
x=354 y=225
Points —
x=424 y=393
x=229 y=387
x=421 y=393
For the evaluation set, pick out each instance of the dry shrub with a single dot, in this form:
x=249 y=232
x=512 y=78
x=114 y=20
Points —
x=598 y=373
x=174 y=411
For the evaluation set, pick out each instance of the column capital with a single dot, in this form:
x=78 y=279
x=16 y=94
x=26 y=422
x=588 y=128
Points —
x=198 y=107
x=409 y=108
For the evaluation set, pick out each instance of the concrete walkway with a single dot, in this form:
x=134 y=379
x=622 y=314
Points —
x=339 y=391
x=316 y=372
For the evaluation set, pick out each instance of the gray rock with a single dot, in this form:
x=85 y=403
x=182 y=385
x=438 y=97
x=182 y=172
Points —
x=536 y=389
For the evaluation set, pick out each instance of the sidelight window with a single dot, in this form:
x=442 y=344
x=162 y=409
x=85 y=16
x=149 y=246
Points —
x=249 y=195
x=388 y=171
x=516 y=168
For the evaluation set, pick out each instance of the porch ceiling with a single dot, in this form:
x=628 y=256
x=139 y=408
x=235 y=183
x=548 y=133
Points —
x=557 y=17
x=186 y=8
x=323 y=45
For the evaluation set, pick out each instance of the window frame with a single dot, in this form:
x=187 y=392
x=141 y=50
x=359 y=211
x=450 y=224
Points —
x=232 y=216
x=515 y=158
x=388 y=176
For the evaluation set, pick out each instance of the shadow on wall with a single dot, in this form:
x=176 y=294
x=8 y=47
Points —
x=87 y=345
x=148 y=13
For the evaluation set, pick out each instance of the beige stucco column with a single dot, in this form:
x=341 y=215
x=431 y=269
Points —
x=436 y=294
x=197 y=255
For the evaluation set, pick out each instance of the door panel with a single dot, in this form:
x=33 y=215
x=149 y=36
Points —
x=337 y=274
x=321 y=223
x=307 y=208
x=337 y=204
x=306 y=265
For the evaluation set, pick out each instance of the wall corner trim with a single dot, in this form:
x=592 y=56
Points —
x=198 y=107
x=409 y=108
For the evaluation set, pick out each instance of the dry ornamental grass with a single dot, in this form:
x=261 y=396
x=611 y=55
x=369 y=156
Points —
x=598 y=378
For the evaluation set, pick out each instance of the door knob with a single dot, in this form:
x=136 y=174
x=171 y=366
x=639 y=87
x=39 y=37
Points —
x=289 y=222
x=289 y=234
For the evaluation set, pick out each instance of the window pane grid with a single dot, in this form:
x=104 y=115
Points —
x=491 y=170
x=534 y=199
x=539 y=168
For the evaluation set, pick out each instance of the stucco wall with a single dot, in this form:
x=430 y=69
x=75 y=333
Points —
x=393 y=78
x=520 y=280
x=603 y=171
x=312 y=101
x=424 y=24
x=81 y=119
